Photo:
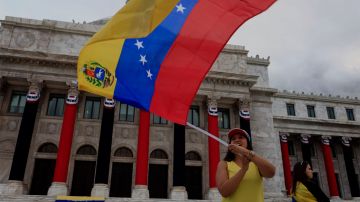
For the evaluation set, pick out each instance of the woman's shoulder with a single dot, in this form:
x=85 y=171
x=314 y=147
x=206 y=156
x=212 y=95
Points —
x=222 y=163
x=300 y=184
x=222 y=166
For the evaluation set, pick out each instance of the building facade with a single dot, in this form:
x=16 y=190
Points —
x=38 y=69
x=323 y=130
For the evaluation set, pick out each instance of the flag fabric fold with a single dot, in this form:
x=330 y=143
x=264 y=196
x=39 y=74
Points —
x=159 y=69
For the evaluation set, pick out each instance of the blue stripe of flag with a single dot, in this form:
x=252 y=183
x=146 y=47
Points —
x=133 y=85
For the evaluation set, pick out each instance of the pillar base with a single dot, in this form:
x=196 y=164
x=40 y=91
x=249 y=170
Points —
x=337 y=198
x=58 y=188
x=100 y=190
x=214 y=194
x=2 y=188
x=13 y=187
x=178 y=193
x=140 y=192
x=274 y=195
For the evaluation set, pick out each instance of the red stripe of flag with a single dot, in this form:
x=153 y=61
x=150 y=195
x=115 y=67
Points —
x=209 y=26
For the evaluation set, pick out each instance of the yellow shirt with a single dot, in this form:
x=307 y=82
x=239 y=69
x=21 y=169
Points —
x=302 y=194
x=250 y=189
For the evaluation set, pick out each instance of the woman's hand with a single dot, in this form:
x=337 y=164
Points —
x=239 y=150
x=265 y=167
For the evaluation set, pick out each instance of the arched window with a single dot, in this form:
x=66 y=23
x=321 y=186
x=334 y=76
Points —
x=158 y=154
x=86 y=150
x=193 y=156
x=48 y=148
x=123 y=152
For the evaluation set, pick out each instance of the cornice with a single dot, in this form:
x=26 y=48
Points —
x=36 y=58
x=60 y=26
x=258 y=61
x=319 y=131
x=230 y=48
x=317 y=121
x=320 y=97
x=269 y=91
x=230 y=78
x=16 y=56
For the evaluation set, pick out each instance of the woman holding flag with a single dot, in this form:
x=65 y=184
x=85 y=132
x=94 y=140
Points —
x=239 y=175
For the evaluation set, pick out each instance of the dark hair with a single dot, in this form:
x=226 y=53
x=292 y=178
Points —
x=231 y=156
x=299 y=174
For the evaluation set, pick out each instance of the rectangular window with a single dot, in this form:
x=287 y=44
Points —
x=17 y=103
x=193 y=115
x=56 y=105
x=159 y=120
x=311 y=110
x=330 y=112
x=291 y=148
x=223 y=118
x=290 y=109
x=92 y=108
x=127 y=112
x=350 y=114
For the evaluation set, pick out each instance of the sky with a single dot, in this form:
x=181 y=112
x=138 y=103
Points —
x=314 y=45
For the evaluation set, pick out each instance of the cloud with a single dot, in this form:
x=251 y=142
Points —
x=65 y=10
x=314 y=46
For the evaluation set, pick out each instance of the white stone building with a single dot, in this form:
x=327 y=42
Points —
x=44 y=54
x=318 y=117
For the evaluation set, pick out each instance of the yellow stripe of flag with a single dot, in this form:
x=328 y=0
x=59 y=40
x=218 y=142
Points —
x=136 y=19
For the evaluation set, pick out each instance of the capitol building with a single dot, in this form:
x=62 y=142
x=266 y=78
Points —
x=57 y=140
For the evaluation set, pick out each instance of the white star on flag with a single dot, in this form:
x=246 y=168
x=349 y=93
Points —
x=143 y=59
x=139 y=44
x=149 y=75
x=180 y=8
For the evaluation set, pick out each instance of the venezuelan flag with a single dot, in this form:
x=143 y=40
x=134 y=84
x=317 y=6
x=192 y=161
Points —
x=154 y=54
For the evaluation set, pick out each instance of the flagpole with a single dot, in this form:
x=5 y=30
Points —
x=208 y=134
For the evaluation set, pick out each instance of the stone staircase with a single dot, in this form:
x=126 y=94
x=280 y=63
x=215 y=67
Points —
x=38 y=198
x=35 y=198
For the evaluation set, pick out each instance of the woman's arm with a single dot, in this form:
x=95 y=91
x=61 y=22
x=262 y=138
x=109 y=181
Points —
x=225 y=185
x=266 y=169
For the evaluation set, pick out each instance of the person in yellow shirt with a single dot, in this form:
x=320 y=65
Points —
x=239 y=175
x=303 y=188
